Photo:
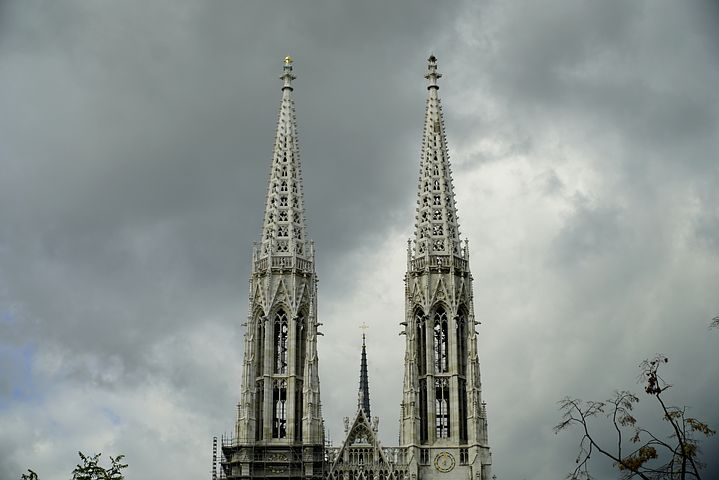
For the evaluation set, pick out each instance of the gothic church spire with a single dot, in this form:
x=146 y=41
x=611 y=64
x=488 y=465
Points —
x=443 y=421
x=279 y=430
x=436 y=227
x=283 y=230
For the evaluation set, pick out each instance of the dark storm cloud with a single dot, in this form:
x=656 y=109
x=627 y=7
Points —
x=136 y=145
x=135 y=142
x=156 y=130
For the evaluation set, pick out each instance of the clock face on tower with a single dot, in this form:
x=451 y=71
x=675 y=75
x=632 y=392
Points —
x=444 y=462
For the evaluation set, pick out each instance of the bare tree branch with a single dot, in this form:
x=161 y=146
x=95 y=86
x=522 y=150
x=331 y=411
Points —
x=652 y=459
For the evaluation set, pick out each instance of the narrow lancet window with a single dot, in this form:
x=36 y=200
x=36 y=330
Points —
x=280 y=343
x=462 y=367
x=279 y=409
x=260 y=347
x=423 y=414
x=299 y=412
x=300 y=347
x=421 y=339
x=462 y=344
x=440 y=341
x=259 y=403
x=462 y=383
x=441 y=411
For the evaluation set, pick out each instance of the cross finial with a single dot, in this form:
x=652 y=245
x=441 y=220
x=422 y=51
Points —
x=287 y=76
x=364 y=328
x=432 y=73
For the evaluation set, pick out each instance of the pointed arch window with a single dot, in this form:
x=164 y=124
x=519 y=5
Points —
x=260 y=347
x=280 y=342
x=421 y=338
x=462 y=343
x=440 y=341
x=462 y=368
x=259 y=372
x=300 y=335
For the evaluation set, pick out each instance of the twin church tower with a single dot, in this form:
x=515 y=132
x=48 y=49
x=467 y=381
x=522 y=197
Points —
x=443 y=425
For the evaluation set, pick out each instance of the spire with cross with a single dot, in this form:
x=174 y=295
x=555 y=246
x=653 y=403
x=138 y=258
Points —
x=363 y=396
x=283 y=230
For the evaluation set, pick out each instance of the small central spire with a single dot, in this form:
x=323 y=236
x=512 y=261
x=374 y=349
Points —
x=363 y=397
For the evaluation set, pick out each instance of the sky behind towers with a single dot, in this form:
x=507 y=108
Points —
x=135 y=143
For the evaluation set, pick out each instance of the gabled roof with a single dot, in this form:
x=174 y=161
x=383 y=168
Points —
x=360 y=434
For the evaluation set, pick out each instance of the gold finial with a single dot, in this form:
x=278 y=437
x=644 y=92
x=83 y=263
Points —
x=364 y=327
x=288 y=60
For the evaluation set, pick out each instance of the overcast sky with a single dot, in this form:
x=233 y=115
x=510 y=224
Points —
x=135 y=143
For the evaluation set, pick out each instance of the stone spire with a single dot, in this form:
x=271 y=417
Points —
x=443 y=423
x=436 y=227
x=363 y=396
x=279 y=430
x=283 y=230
